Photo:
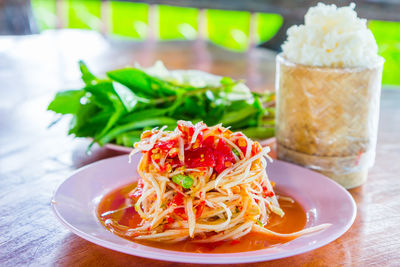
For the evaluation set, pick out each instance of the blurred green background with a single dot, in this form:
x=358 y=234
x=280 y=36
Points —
x=229 y=29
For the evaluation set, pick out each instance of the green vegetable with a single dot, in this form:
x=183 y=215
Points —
x=235 y=152
x=259 y=132
x=67 y=102
x=183 y=180
x=119 y=107
x=260 y=223
x=87 y=77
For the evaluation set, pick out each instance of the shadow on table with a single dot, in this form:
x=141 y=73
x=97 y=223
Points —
x=81 y=157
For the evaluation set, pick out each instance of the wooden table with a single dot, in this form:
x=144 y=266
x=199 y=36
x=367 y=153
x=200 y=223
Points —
x=34 y=160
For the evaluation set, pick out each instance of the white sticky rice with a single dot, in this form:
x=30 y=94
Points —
x=331 y=37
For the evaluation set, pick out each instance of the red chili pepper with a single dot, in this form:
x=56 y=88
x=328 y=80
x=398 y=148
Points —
x=163 y=168
x=269 y=194
x=139 y=190
x=149 y=154
x=200 y=209
x=199 y=139
x=256 y=148
x=170 y=219
x=182 y=128
x=265 y=188
x=191 y=131
x=181 y=213
x=187 y=131
x=178 y=201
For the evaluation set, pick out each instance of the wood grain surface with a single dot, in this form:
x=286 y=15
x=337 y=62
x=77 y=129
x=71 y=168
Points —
x=34 y=160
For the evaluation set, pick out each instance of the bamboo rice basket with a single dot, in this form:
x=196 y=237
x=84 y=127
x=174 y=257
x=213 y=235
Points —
x=327 y=118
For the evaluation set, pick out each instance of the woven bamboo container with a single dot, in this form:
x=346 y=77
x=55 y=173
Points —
x=327 y=118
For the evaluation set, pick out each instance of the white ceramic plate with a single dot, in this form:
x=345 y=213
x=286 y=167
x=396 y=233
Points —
x=76 y=199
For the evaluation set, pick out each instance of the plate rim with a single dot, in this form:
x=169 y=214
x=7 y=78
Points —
x=199 y=258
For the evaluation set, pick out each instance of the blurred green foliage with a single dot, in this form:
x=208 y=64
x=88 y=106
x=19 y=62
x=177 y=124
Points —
x=267 y=26
x=229 y=29
x=129 y=21
x=387 y=35
x=45 y=13
x=177 y=22
x=83 y=14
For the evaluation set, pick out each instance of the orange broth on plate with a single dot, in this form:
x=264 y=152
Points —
x=293 y=221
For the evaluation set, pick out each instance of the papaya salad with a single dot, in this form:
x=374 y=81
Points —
x=204 y=184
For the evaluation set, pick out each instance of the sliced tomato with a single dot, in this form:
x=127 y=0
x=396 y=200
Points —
x=209 y=142
x=199 y=139
x=177 y=200
x=243 y=149
x=223 y=156
x=167 y=145
x=175 y=161
x=199 y=157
